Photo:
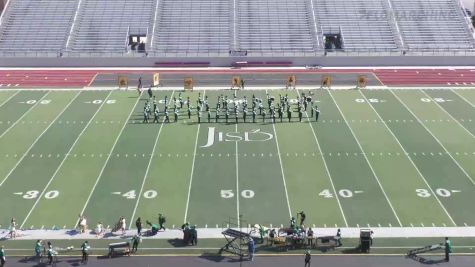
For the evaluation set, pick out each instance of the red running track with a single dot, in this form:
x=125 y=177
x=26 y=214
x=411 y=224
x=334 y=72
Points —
x=388 y=77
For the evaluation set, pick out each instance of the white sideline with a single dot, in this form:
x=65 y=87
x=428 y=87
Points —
x=352 y=232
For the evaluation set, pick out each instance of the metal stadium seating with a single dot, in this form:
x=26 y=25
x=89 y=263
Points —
x=36 y=25
x=432 y=24
x=275 y=26
x=190 y=26
x=364 y=24
x=182 y=28
x=104 y=25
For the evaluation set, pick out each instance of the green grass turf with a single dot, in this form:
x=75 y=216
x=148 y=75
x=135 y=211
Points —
x=348 y=169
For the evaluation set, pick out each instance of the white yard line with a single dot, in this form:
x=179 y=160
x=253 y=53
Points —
x=62 y=162
x=237 y=182
x=281 y=168
x=450 y=115
x=326 y=169
x=38 y=138
x=10 y=98
x=24 y=114
x=464 y=98
x=148 y=166
x=410 y=159
x=108 y=158
x=367 y=160
x=192 y=169
x=438 y=141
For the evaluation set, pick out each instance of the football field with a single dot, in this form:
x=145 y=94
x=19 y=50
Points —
x=398 y=158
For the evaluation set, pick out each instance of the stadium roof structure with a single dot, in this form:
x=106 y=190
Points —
x=234 y=28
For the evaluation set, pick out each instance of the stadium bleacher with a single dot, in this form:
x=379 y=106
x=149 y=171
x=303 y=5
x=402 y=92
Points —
x=174 y=28
x=432 y=25
x=32 y=25
x=188 y=26
x=105 y=25
x=275 y=26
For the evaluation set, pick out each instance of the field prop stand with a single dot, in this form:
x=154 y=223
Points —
x=236 y=83
x=361 y=82
x=290 y=82
x=236 y=240
x=123 y=81
x=156 y=80
x=326 y=82
x=188 y=83
x=414 y=253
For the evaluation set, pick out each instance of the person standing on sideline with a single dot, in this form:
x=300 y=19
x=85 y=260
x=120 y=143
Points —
x=138 y=224
x=161 y=221
x=251 y=247
x=308 y=258
x=338 y=238
x=38 y=249
x=123 y=225
x=302 y=218
x=448 y=249
x=310 y=238
x=50 y=253
x=13 y=228
x=85 y=252
x=2 y=256
x=135 y=243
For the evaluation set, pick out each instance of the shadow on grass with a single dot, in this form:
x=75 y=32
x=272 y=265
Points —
x=177 y=243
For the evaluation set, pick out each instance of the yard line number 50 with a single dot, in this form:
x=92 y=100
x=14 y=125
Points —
x=244 y=193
